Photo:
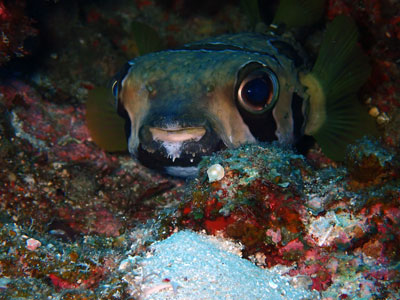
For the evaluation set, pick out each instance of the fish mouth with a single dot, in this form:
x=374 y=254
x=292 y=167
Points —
x=177 y=135
x=176 y=147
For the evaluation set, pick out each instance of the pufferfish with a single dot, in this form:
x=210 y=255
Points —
x=182 y=104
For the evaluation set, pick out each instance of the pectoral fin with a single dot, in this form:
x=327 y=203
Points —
x=106 y=127
x=336 y=116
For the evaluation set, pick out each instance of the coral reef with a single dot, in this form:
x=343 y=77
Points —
x=74 y=218
x=286 y=213
x=369 y=162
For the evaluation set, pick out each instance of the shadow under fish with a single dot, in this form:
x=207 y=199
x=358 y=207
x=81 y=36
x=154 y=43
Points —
x=182 y=104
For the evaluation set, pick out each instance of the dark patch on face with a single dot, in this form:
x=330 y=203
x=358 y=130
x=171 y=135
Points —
x=303 y=142
x=116 y=88
x=289 y=51
x=262 y=126
x=297 y=116
x=118 y=78
x=124 y=114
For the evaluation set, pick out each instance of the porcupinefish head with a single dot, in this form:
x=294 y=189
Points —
x=183 y=104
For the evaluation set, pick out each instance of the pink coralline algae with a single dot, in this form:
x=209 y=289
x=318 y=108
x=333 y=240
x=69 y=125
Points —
x=49 y=126
x=96 y=221
x=15 y=27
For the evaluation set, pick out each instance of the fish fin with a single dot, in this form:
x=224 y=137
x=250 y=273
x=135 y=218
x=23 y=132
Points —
x=336 y=117
x=296 y=13
x=106 y=127
x=146 y=38
x=347 y=120
x=341 y=66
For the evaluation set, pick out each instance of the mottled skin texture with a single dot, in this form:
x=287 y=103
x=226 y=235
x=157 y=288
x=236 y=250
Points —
x=197 y=87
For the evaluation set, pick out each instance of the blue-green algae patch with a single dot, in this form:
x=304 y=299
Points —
x=271 y=162
x=367 y=147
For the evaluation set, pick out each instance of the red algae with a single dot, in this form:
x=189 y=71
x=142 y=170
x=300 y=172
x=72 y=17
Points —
x=250 y=213
x=94 y=221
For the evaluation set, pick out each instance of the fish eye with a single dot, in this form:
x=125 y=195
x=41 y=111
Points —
x=258 y=91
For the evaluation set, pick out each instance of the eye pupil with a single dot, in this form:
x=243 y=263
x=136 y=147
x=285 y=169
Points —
x=257 y=92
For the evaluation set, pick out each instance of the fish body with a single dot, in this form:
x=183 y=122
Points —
x=182 y=104
x=223 y=92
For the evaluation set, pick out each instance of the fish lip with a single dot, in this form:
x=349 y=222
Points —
x=178 y=134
